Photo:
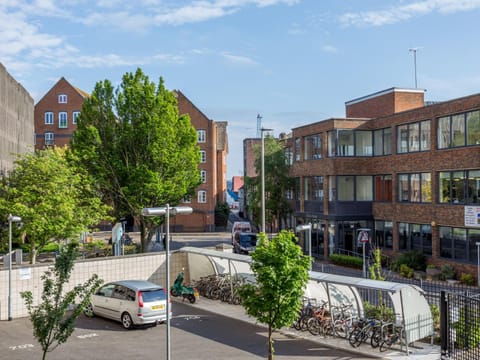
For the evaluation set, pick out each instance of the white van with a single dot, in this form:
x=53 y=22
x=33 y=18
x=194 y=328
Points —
x=242 y=226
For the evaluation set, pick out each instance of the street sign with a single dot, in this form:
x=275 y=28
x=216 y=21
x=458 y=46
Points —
x=362 y=236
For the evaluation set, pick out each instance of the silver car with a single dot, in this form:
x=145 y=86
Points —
x=132 y=302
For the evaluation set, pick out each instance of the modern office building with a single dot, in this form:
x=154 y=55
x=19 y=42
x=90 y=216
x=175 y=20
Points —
x=407 y=171
x=16 y=121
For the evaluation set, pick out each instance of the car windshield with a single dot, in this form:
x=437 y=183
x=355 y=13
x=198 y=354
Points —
x=248 y=240
x=153 y=295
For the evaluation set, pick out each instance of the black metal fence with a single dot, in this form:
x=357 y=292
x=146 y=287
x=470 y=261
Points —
x=460 y=325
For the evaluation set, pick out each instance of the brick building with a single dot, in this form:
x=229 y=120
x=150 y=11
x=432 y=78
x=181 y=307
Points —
x=16 y=121
x=55 y=122
x=407 y=171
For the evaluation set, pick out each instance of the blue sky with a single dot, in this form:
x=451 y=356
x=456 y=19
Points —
x=291 y=61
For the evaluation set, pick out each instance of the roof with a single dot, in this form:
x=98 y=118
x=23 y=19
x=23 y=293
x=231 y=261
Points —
x=237 y=183
x=383 y=92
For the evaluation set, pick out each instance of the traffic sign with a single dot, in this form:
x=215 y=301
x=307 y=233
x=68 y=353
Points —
x=362 y=236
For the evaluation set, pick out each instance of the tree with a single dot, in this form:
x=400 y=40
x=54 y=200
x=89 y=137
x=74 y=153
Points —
x=55 y=199
x=277 y=184
x=281 y=273
x=52 y=322
x=138 y=149
x=222 y=212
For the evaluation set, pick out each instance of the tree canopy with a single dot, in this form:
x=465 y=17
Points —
x=138 y=149
x=281 y=273
x=55 y=200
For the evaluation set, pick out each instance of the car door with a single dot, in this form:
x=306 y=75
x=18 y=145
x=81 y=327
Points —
x=102 y=300
x=118 y=302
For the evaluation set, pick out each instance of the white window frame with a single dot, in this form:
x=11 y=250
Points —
x=202 y=136
x=187 y=199
x=49 y=138
x=202 y=196
x=62 y=98
x=203 y=176
x=75 y=115
x=49 y=118
x=61 y=125
x=203 y=156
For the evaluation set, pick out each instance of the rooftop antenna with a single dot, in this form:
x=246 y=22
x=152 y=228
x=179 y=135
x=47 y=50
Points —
x=414 y=51
x=259 y=125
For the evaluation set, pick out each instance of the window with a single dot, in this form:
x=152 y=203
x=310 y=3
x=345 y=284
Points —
x=383 y=188
x=62 y=120
x=297 y=188
x=313 y=188
x=415 y=237
x=203 y=175
x=48 y=118
x=62 y=99
x=202 y=136
x=459 y=187
x=345 y=143
x=364 y=188
x=345 y=188
x=202 y=197
x=384 y=234
x=350 y=143
x=458 y=130
x=363 y=143
x=413 y=137
x=203 y=156
x=415 y=187
x=75 y=115
x=49 y=138
x=288 y=156
x=459 y=243
x=382 y=140
x=289 y=194
x=297 y=149
x=313 y=147
x=187 y=199
x=354 y=188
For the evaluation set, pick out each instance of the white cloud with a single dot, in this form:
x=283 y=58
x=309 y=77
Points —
x=406 y=12
x=238 y=59
x=329 y=49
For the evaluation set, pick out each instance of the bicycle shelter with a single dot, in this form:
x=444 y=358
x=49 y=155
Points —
x=409 y=303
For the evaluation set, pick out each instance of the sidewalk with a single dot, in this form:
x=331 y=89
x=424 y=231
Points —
x=420 y=351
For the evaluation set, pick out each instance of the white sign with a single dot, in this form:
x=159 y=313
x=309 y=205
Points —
x=472 y=216
x=25 y=273
x=363 y=236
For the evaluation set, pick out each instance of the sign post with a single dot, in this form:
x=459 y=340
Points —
x=363 y=238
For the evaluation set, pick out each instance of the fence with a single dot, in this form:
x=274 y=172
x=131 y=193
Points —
x=460 y=326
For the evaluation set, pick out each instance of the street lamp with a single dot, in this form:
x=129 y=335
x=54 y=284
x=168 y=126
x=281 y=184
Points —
x=262 y=130
x=161 y=211
x=11 y=219
x=308 y=228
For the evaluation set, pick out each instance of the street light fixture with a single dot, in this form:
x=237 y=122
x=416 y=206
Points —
x=11 y=219
x=262 y=130
x=308 y=229
x=166 y=211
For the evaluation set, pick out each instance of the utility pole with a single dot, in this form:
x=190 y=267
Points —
x=259 y=125
x=414 y=51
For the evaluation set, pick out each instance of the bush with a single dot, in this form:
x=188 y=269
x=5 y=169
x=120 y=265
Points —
x=467 y=279
x=413 y=259
x=406 y=271
x=447 y=272
x=347 y=260
x=381 y=312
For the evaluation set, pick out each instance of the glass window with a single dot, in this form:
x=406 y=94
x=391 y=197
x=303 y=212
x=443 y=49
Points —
x=403 y=187
x=203 y=176
x=414 y=187
x=345 y=143
x=402 y=139
x=363 y=143
x=62 y=120
x=458 y=130
x=383 y=188
x=460 y=243
x=187 y=199
x=289 y=156
x=49 y=118
x=345 y=188
x=458 y=187
x=473 y=128
x=473 y=238
x=403 y=235
x=444 y=187
x=443 y=133
x=62 y=99
x=202 y=136
x=445 y=234
x=75 y=115
x=364 y=188
x=378 y=142
x=297 y=188
x=387 y=141
x=313 y=147
x=426 y=187
x=203 y=156
x=297 y=149
x=425 y=135
x=331 y=143
x=332 y=190
x=202 y=196
x=49 y=138
x=474 y=187
x=413 y=137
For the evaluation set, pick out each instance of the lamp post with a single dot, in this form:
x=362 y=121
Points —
x=308 y=228
x=161 y=211
x=11 y=219
x=478 y=263
x=262 y=130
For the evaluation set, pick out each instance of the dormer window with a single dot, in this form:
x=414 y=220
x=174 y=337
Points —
x=62 y=98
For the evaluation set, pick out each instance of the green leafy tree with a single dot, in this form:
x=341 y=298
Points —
x=281 y=273
x=277 y=184
x=54 y=198
x=138 y=149
x=222 y=212
x=52 y=321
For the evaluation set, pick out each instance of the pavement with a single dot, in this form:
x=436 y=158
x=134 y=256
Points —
x=418 y=350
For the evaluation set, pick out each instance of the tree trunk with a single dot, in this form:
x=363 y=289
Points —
x=143 y=236
x=270 y=343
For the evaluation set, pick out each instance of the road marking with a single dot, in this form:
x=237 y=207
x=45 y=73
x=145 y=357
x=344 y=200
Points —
x=20 y=347
x=87 y=336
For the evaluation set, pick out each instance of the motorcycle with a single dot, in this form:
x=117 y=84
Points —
x=179 y=289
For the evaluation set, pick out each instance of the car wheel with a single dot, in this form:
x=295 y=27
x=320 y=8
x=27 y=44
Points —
x=127 y=321
x=88 y=311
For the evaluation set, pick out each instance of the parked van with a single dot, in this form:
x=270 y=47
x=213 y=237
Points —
x=240 y=226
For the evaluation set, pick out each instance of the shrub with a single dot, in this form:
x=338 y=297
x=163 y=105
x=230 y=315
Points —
x=413 y=259
x=347 y=260
x=406 y=271
x=378 y=312
x=467 y=279
x=447 y=272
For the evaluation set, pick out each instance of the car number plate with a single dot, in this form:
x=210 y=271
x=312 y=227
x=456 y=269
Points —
x=158 y=307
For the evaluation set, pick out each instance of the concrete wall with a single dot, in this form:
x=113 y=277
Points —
x=145 y=267
x=16 y=120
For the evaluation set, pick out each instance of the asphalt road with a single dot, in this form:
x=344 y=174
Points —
x=195 y=334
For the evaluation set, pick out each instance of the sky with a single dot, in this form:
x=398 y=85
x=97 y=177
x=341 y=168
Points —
x=293 y=62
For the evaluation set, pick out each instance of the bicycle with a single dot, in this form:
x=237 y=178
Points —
x=396 y=335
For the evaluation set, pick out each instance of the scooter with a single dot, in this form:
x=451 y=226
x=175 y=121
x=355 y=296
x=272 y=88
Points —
x=187 y=292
